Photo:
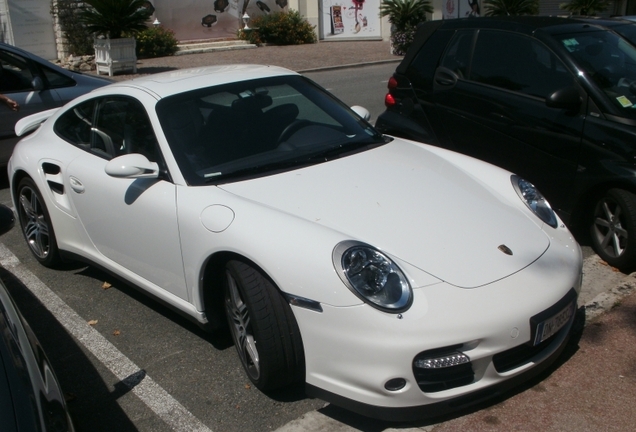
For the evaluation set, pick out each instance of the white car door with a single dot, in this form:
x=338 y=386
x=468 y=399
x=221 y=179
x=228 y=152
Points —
x=132 y=222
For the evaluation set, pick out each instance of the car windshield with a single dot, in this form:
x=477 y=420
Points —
x=259 y=127
x=610 y=61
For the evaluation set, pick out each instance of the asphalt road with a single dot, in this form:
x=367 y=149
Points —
x=138 y=365
x=346 y=84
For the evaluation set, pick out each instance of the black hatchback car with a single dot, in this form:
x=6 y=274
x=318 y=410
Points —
x=551 y=99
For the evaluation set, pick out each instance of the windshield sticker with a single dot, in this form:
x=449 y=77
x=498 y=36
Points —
x=570 y=44
x=626 y=103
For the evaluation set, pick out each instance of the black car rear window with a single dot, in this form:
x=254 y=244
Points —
x=422 y=68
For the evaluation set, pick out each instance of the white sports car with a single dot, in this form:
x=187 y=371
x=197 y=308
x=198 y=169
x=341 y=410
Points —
x=392 y=278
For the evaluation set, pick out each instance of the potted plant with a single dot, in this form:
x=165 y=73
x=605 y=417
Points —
x=404 y=16
x=115 y=23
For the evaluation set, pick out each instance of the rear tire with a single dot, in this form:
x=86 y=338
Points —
x=613 y=229
x=35 y=222
x=264 y=329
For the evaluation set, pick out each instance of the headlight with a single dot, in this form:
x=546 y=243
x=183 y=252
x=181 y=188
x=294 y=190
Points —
x=372 y=276
x=534 y=200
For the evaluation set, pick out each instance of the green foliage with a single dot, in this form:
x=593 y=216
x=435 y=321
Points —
x=156 y=42
x=511 y=7
x=78 y=39
x=280 y=28
x=585 y=7
x=115 y=18
x=405 y=13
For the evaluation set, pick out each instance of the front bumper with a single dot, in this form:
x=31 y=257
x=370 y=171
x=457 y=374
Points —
x=355 y=355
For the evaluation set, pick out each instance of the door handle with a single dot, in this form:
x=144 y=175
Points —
x=76 y=185
x=445 y=77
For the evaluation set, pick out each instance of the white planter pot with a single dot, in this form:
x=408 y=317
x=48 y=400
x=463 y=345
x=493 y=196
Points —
x=115 y=55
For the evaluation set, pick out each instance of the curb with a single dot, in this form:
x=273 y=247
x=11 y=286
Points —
x=606 y=301
x=350 y=65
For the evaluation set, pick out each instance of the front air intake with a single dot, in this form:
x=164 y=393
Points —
x=442 y=369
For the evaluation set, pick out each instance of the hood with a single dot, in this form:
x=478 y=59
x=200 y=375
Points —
x=413 y=204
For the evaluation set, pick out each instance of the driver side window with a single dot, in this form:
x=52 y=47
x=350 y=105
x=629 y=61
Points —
x=15 y=74
x=517 y=63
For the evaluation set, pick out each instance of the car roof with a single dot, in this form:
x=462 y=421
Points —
x=523 y=24
x=8 y=47
x=168 y=83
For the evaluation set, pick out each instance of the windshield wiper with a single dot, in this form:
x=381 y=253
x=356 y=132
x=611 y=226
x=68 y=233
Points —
x=300 y=161
x=344 y=150
x=269 y=168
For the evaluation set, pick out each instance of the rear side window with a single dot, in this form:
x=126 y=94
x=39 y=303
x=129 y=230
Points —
x=56 y=79
x=109 y=127
x=518 y=63
x=457 y=57
x=75 y=125
x=421 y=70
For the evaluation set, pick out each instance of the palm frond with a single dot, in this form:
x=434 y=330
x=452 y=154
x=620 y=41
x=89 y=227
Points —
x=511 y=7
x=115 y=18
x=405 y=13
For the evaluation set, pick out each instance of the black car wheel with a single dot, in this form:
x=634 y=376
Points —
x=263 y=327
x=36 y=224
x=613 y=228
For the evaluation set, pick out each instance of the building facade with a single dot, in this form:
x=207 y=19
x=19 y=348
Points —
x=30 y=25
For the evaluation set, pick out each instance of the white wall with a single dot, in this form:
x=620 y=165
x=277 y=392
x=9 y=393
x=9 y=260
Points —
x=30 y=26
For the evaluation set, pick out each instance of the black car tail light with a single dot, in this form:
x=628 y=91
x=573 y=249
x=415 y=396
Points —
x=392 y=83
x=389 y=100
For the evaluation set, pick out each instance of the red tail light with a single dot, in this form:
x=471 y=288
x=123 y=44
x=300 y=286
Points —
x=389 y=100
x=392 y=83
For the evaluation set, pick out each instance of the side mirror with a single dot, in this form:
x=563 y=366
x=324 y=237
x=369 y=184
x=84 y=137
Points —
x=567 y=98
x=132 y=165
x=362 y=112
x=37 y=83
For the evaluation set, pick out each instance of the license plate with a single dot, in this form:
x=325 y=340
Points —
x=553 y=324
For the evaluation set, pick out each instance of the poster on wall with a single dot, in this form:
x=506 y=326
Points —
x=337 y=27
x=207 y=19
x=350 y=19
x=461 y=8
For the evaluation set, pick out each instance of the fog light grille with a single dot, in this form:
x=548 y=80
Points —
x=439 y=370
x=442 y=362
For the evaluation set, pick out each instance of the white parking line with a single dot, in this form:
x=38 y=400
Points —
x=151 y=393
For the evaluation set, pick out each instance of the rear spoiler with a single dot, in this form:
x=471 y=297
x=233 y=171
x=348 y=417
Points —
x=32 y=122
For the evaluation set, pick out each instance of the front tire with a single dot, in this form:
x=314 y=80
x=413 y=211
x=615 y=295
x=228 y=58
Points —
x=264 y=329
x=36 y=224
x=613 y=228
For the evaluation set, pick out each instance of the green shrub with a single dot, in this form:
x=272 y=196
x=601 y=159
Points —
x=585 y=7
x=156 y=42
x=280 y=28
x=402 y=40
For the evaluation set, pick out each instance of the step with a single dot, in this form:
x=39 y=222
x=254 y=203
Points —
x=196 y=47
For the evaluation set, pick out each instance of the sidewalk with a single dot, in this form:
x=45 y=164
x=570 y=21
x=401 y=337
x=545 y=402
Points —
x=295 y=57
x=593 y=386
